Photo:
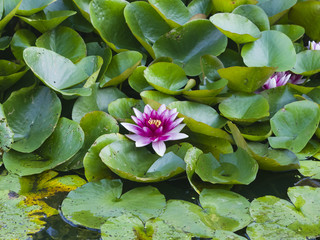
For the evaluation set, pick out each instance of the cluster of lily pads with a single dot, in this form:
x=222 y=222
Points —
x=219 y=88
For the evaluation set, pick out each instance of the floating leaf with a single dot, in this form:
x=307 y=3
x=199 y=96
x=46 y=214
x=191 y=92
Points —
x=155 y=98
x=308 y=63
x=230 y=5
x=186 y=44
x=145 y=23
x=168 y=78
x=306 y=14
x=137 y=164
x=23 y=109
x=209 y=65
x=46 y=21
x=122 y=109
x=21 y=40
x=6 y=134
x=64 y=41
x=108 y=19
x=294 y=32
x=294 y=125
x=137 y=81
x=244 y=107
x=8 y=11
x=236 y=27
x=5 y=42
x=246 y=79
x=29 y=7
x=65 y=141
x=296 y=220
x=10 y=73
x=120 y=68
x=273 y=49
x=80 y=205
x=200 y=7
x=173 y=11
x=84 y=7
x=94 y=168
x=310 y=169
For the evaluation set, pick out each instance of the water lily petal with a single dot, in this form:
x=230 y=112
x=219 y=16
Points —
x=140 y=140
x=177 y=136
x=138 y=113
x=159 y=147
x=161 y=109
x=133 y=128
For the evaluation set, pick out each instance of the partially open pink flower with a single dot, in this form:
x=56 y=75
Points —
x=282 y=78
x=314 y=45
x=155 y=127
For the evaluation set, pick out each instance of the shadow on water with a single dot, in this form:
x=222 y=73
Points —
x=266 y=183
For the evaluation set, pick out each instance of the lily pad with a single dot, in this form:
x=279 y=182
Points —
x=10 y=73
x=64 y=41
x=244 y=107
x=4 y=42
x=6 y=134
x=209 y=65
x=107 y=17
x=296 y=220
x=120 y=68
x=155 y=98
x=137 y=81
x=294 y=32
x=294 y=125
x=97 y=101
x=308 y=63
x=255 y=14
x=145 y=23
x=200 y=7
x=173 y=11
x=17 y=220
x=46 y=21
x=168 y=78
x=257 y=131
x=107 y=195
x=236 y=27
x=65 y=141
x=23 y=109
x=186 y=44
x=310 y=169
x=273 y=49
x=122 y=109
x=21 y=40
x=246 y=79
x=8 y=11
x=94 y=168
x=306 y=15
x=138 y=164
x=230 y=5
x=29 y=7
x=84 y=7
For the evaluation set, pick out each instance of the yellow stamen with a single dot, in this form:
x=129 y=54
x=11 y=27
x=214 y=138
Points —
x=154 y=122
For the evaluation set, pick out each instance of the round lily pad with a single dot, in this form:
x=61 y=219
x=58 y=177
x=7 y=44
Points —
x=8 y=10
x=23 y=109
x=29 y=7
x=122 y=109
x=273 y=49
x=236 y=27
x=21 y=40
x=310 y=169
x=10 y=73
x=230 y=5
x=80 y=206
x=137 y=81
x=6 y=134
x=308 y=63
x=294 y=32
x=186 y=44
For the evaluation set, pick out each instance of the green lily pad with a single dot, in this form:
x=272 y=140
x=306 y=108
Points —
x=311 y=149
x=108 y=19
x=79 y=206
x=145 y=24
x=10 y=73
x=168 y=78
x=65 y=141
x=231 y=58
x=21 y=40
x=273 y=49
x=294 y=125
x=186 y=44
x=59 y=73
x=200 y=7
x=8 y=10
x=29 y=7
x=6 y=134
x=122 y=109
x=46 y=21
x=230 y=5
x=244 y=107
x=174 y=12
x=236 y=27
x=306 y=15
x=246 y=79
x=308 y=63
x=296 y=220
x=97 y=101
x=310 y=169
x=137 y=81
x=23 y=109
x=138 y=164
x=17 y=220
x=233 y=168
x=4 y=42
x=64 y=41
x=155 y=98
x=209 y=65
x=84 y=7
x=120 y=68
x=255 y=14
x=94 y=168
x=294 y=32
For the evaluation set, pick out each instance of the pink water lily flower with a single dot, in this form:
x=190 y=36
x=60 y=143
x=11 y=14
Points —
x=155 y=127
x=282 y=78
x=314 y=45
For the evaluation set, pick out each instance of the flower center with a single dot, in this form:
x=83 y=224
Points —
x=156 y=122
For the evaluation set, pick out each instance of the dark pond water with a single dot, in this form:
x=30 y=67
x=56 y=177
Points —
x=266 y=183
